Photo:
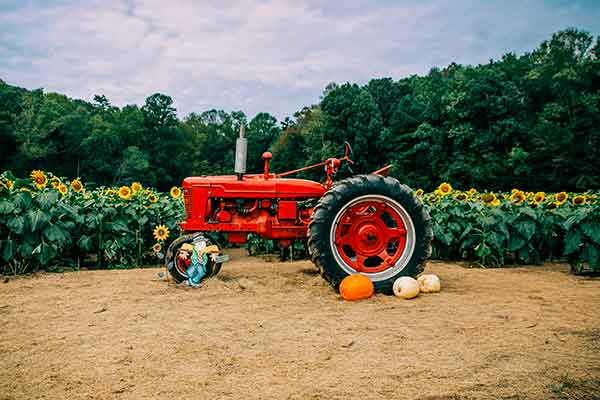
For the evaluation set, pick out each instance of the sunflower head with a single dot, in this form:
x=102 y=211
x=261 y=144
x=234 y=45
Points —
x=488 y=198
x=6 y=184
x=156 y=247
x=561 y=197
x=460 y=196
x=445 y=189
x=175 y=192
x=39 y=178
x=125 y=192
x=55 y=182
x=553 y=205
x=495 y=203
x=63 y=189
x=161 y=233
x=539 y=197
x=517 y=197
x=419 y=192
x=579 y=200
x=152 y=198
x=472 y=191
x=76 y=185
x=136 y=187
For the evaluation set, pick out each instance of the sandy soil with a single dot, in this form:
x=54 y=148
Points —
x=276 y=330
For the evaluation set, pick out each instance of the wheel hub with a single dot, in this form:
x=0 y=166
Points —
x=371 y=234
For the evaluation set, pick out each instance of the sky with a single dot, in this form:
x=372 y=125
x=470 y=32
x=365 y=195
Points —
x=255 y=56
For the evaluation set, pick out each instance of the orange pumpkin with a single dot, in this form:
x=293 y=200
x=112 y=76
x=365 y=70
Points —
x=356 y=287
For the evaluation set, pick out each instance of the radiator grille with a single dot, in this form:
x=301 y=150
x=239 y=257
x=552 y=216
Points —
x=187 y=199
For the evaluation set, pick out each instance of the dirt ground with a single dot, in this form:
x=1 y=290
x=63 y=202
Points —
x=270 y=330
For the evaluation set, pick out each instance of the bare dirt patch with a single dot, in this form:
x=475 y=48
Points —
x=277 y=330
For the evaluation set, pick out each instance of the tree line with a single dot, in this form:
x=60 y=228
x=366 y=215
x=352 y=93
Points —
x=530 y=121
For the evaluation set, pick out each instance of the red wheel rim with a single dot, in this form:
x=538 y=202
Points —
x=371 y=235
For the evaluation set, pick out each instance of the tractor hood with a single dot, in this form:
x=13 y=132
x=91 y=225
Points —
x=255 y=186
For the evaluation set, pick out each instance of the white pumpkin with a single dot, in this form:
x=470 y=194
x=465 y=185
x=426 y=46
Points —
x=429 y=283
x=406 y=287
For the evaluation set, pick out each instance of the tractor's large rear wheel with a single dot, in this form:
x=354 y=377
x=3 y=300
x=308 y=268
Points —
x=177 y=267
x=372 y=225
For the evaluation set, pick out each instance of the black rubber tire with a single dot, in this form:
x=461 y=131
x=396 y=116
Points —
x=348 y=189
x=212 y=268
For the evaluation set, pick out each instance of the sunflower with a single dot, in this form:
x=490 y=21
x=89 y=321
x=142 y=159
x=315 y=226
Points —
x=517 y=197
x=156 y=247
x=539 y=197
x=561 y=197
x=432 y=199
x=125 y=192
x=460 y=196
x=472 y=191
x=495 y=203
x=76 y=185
x=55 y=182
x=6 y=184
x=39 y=178
x=136 y=187
x=489 y=198
x=419 y=192
x=579 y=200
x=152 y=198
x=161 y=232
x=63 y=189
x=445 y=189
x=175 y=192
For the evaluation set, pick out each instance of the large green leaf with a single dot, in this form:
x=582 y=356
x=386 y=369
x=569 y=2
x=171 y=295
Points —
x=591 y=254
x=16 y=224
x=55 y=234
x=85 y=243
x=572 y=242
x=37 y=219
x=23 y=200
x=46 y=199
x=47 y=253
x=6 y=207
x=591 y=230
x=25 y=249
x=516 y=242
x=8 y=249
x=526 y=229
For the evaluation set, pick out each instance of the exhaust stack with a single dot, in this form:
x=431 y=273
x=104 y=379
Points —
x=241 y=152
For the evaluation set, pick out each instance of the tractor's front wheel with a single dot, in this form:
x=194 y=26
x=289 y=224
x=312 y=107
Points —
x=372 y=225
x=177 y=267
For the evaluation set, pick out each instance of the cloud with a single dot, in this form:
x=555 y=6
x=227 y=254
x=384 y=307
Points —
x=274 y=56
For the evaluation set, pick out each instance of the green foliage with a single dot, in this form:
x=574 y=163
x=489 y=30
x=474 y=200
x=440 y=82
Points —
x=43 y=228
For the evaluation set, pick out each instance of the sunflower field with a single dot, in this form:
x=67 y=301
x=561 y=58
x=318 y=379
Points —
x=49 y=222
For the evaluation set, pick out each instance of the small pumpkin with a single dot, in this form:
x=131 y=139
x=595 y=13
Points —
x=406 y=287
x=429 y=283
x=356 y=287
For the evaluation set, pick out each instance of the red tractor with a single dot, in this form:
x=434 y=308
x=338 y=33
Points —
x=369 y=224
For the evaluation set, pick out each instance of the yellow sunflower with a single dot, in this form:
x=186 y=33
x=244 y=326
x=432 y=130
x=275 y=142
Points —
x=539 y=197
x=517 y=197
x=561 y=197
x=579 y=200
x=460 y=196
x=125 y=192
x=156 y=247
x=39 y=178
x=136 y=187
x=553 y=205
x=495 y=203
x=76 y=185
x=445 y=189
x=488 y=198
x=175 y=192
x=152 y=198
x=55 y=182
x=161 y=233
x=6 y=184
x=63 y=189
x=419 y=192
x=472 y=191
